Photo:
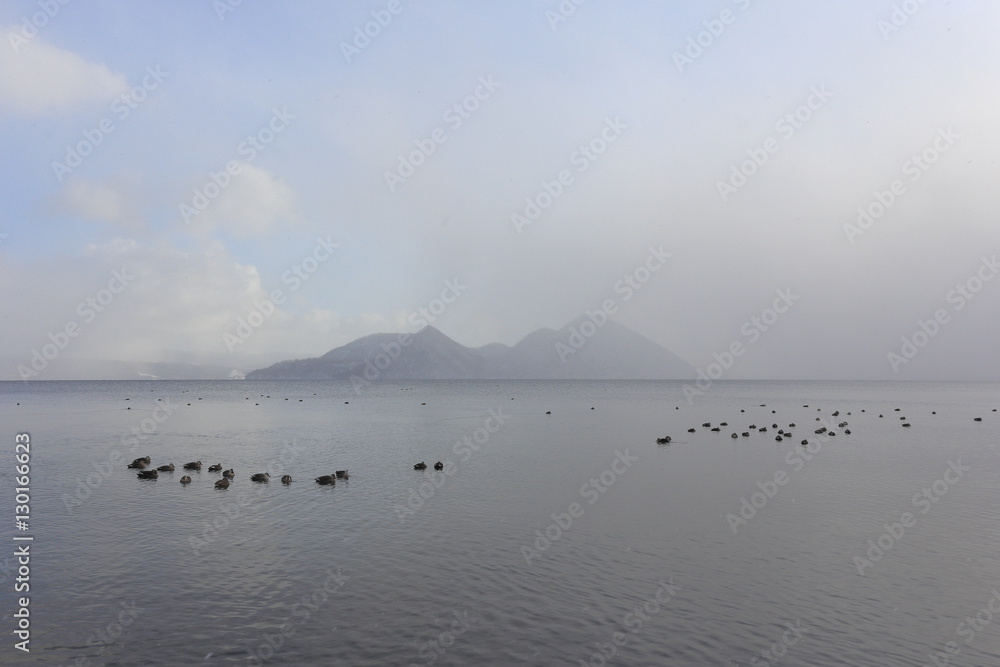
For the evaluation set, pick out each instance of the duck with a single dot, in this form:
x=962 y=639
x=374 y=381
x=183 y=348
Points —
x=439 y=466
x=216 y=468
x=286 y=479
x=420 y=466
x=229 y=473
x=185 y=480
x=167 y=468
x=326 y=480
x=260 y=477
x=222 y=483
x=342 y=474
x=140 y=462
x=664 y=440
x=193 y=465
x=147 y=474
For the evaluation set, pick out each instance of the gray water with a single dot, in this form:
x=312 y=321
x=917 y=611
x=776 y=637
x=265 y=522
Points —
x=472 y=567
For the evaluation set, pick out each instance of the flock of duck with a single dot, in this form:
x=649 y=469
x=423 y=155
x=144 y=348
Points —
x=143 y=462
x=782 y=434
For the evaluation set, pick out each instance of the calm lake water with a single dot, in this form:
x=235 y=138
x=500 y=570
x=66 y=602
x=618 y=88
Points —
x=547 y=539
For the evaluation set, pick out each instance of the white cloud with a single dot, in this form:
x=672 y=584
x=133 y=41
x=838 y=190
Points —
x=252 y=204
x=97 y=202
x=40 y=78
x=174 y=305
x=117 y=246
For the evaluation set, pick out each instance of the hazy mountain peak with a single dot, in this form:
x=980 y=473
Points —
x=583 y=349
x=430 y=333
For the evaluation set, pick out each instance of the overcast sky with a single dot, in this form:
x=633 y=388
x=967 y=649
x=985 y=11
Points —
x=738 y=136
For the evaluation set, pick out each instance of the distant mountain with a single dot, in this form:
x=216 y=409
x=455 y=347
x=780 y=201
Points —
x=580 y=350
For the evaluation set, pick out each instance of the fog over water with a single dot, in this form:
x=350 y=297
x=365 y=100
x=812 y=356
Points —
x=240 y=183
